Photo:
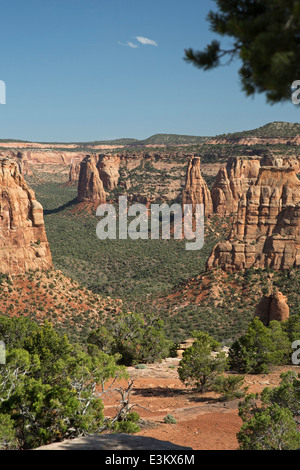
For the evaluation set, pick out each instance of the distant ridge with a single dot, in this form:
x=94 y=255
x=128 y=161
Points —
x=172 y=139
x=274 y=129
x=157 y=139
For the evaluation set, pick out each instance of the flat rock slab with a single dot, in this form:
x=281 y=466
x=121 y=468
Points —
x=113 y=442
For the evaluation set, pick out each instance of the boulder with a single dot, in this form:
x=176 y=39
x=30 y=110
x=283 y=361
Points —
x=272 y=307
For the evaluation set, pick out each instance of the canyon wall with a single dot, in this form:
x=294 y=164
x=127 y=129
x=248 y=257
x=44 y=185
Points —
x=266 y=228
x=232 y=182
x=74 y=172
x=23 y=241
x=241 y=172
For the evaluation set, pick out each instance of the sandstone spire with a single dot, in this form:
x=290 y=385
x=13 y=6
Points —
x=196 y=190
x=74 y=170
x=232 y=182
x=90 y=186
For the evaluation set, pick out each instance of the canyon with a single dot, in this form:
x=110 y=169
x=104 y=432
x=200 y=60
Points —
x=248 y=266
x=259 y=191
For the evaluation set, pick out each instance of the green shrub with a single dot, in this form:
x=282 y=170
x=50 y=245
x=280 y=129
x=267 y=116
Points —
x=230 y=386
x=202 y=362
x=259 y=348
x=47 y=386
x=169 y=419
x=137 y=338
x=292 y=327
x=128 y=425
x=270 y=420
x=8 y=440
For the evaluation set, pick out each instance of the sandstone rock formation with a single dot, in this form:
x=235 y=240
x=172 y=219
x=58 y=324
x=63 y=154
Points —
x=196 y=190
x=144 y=177
x=241 y=172
x=74 y=172
x=232 y=182
x=184 y=345
x=266 y=230
x=222 y=197
x=90 y=185
x=23 y=164
x=108 y=167
x=23 y=241
x=272 y=307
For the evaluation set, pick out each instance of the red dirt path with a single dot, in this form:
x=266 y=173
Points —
x=203 y=422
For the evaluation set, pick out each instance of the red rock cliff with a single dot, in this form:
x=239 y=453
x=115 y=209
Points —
x=23 y=241
x=108 y=167
x=232 y=182
x=90 y=185
x=266 y=230
x=196 y=190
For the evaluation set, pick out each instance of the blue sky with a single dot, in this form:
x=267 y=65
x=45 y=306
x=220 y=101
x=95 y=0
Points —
x=80 y=70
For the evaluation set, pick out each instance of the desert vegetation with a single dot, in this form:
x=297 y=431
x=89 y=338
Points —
x=52 y=388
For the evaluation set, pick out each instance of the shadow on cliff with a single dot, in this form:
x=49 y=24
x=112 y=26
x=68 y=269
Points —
x=61 y=208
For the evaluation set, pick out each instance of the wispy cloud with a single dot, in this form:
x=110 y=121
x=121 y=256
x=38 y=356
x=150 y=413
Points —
x=146 y=41
x=128 y=44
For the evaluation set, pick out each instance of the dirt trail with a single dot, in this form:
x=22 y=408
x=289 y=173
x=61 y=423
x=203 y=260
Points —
x=202 y=422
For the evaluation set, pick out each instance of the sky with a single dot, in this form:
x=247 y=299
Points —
x=85 y=70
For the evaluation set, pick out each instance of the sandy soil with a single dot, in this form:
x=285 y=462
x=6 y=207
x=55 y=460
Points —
x=203 y=422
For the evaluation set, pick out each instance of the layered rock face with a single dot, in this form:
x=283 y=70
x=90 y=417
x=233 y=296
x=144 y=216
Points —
x=96 y=173
x=23 y=164
x=74 y=172
x=266 y=230
x=196 y=190
x=272 y=307
x=143 y=177
x=90 y=185
x=23 y=241
x=232 y=182
x=108 y=167
x=45 y=159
